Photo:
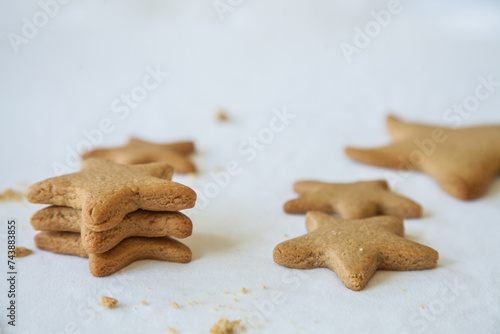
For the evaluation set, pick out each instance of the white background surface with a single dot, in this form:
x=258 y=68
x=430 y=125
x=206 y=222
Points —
x=283 y=54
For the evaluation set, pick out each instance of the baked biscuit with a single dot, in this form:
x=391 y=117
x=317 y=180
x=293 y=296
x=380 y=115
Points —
x=106 y=191
x=354 y=249
x=139 y=152
x=126 y=252
x=463 y=161
x=352 y=200
x=135 y=224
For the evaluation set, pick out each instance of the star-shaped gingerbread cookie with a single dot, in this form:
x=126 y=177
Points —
x=463 y=161
x=139 y=152
x=354 y=249
x=135 y=224
x=128 y=251
x=106 y=191
x=352 y=200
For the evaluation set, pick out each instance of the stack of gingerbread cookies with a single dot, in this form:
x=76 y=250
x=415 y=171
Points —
x=114 y=214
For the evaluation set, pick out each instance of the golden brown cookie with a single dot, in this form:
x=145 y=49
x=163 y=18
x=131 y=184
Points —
x=139 y=152
x=106 y=191
x=354 y=249
x=463 y=161
x=127 y=251
x=135 y=224
x=351 y=200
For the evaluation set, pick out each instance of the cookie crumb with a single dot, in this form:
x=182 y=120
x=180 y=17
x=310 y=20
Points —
x=108 y=302
x=225 y=292
x=243 y=290
x=11 y=195
x=224 y=326
x=262 y=286
x=421 y=306
x=174 y=305
x=221 y=115
x=234 y=299
x=192 y=175
x=143 y=302
x=402 y=289
x=171 y=330
x=21 y=251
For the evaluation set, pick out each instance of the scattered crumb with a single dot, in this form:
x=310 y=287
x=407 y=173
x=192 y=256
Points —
x=192 y=175
x=224 y=326
x=225 y=292
x=421 y=306
x=108 y=302
x=11 y=195
x=174 y=305
x=208 y=292
x=21 y=251
x=316 y=321
x=220 y=115
x=402 y=289
x=262 y=286
x=234 y=299
x=214 y=308
x=189 y=303
x=171 y=330
x=149 y=288
x=243 y=290
x=219 y=305
x=143 y=302
x=285 y=235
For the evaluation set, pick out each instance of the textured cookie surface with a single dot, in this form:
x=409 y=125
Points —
x=126 y=252
x=354 y=249
x=106 y=191
x=351 y=200
x=139 y=152
x=463 y=161
x=135 y=224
